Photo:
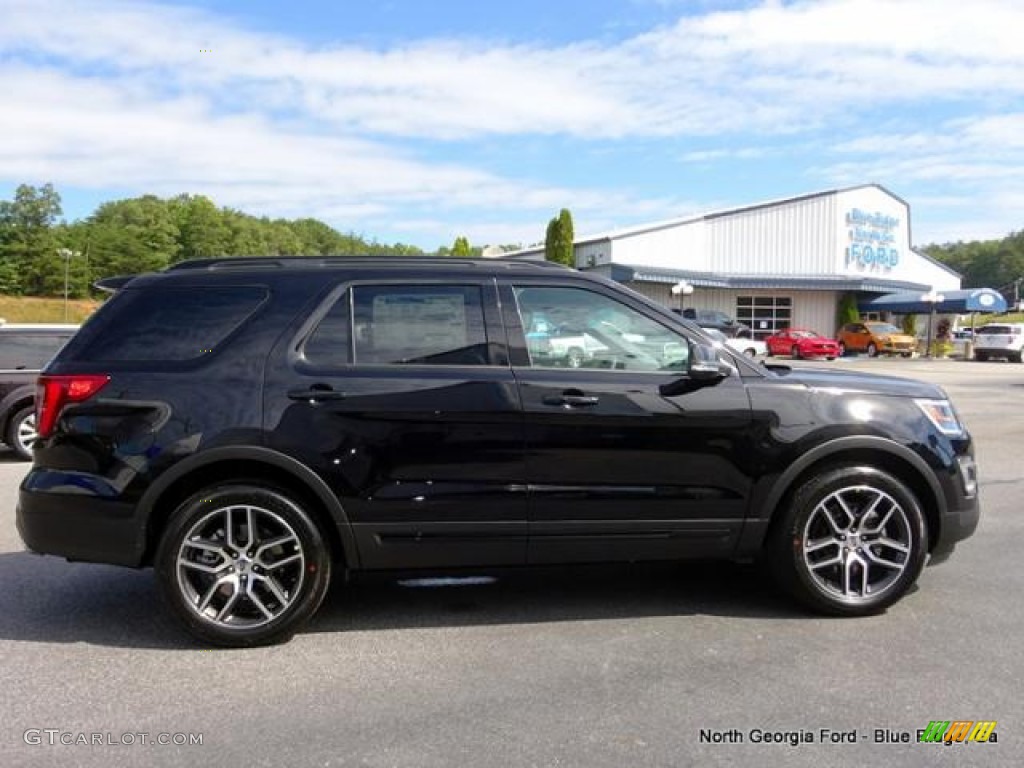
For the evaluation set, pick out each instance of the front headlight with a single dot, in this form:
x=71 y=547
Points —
x=942 y=414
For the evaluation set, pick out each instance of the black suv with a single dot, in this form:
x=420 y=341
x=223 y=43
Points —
x=249 y=426
x=24 y=350
x=712 y=318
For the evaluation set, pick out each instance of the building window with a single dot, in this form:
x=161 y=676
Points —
x=765 y=314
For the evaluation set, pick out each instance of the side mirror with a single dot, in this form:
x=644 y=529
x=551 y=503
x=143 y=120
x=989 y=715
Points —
x=706 y=365
x=706 y=368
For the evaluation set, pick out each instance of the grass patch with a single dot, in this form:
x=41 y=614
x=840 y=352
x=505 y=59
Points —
x=30 y=309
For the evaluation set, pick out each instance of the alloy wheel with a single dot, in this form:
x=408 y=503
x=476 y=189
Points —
x=240 y=566
x=857 y=542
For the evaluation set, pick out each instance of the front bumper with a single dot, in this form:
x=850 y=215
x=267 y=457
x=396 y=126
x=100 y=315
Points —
x=963 y=510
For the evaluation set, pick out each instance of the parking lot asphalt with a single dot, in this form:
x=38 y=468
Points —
x=655 y=665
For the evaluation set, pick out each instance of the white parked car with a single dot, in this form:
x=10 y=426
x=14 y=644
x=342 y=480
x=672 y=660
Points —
x=999 y=340
x=748 y=347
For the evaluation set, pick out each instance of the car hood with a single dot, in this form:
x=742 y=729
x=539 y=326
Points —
x=860 y=383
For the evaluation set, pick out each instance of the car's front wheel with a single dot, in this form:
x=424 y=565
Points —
x=21 y=432
x=850 y=542
x=242 y=565
x=872 y=349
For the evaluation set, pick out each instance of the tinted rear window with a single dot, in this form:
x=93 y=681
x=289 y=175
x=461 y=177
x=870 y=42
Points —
x=172 y=324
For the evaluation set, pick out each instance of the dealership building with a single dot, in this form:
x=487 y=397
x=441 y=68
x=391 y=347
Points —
x=785 y=263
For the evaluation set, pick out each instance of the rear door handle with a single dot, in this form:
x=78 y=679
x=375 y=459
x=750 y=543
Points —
x=571 y=401
x=316 y=393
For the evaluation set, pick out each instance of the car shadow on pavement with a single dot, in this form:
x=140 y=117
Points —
x=553 y=594
x=48 y=600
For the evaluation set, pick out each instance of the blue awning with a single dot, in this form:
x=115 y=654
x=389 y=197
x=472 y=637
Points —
x=953 y=302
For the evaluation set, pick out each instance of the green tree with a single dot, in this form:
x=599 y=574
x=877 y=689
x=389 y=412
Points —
x=461 y=247
x=847 y=311
x=559 y=238
x=135 y=235
x=29 y=262
x=203 y=230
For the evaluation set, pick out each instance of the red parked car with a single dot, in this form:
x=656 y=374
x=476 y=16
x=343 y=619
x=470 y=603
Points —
x=797 y=342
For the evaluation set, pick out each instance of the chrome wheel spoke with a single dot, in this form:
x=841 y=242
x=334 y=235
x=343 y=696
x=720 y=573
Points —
x=271 y=584
x=826 y=563
x=879 y=560
x=283 y=561
x=224 y=615
x=255 y=599
x=270 y=545
x=892 y=544
x=817 y=544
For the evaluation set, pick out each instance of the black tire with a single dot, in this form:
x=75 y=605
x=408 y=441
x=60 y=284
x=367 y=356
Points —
x=981 y=357
x=810 y=574
x=1016 y=357
x=794 y=352
x=21 y=432
x=872 y=349
x=827 y=357
x=906 y=354
x=284 y=579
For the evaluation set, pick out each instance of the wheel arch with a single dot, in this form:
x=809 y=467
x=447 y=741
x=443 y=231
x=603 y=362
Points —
x=900 y=461
x=14 y=401
x=253 y=464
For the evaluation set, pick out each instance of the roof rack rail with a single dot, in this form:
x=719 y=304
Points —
x=281 y=262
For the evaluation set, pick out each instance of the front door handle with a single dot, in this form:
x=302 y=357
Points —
x=571 y=400
x=316 y=393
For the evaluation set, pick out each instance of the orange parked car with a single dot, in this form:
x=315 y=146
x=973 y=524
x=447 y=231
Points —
x=875 y=338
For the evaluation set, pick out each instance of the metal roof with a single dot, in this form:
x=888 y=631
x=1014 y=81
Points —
x=625 y=274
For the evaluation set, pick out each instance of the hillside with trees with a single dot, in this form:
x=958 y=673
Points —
x=147 y=233
x=995 y=264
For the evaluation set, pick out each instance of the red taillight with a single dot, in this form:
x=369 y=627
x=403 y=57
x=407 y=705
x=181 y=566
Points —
x=54 y=392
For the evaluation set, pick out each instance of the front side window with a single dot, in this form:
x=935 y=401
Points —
x=577 y=328
x=418 y=325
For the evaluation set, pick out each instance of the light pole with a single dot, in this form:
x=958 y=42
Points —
x=681 y=289
x=932 y=298
x=66 y=253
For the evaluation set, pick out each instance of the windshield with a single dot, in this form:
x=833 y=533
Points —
x=883 y=328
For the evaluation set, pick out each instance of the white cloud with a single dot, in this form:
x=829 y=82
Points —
x=168 y=99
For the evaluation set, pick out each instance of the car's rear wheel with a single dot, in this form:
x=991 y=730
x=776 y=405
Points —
x=850 y=542
x=794 y=352
x=872 y=349
x=1016 y=357
x=242 y=565
x=21 y=432
x=981 y=357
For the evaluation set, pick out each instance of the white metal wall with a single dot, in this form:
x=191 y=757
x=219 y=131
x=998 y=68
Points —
x=681 y=246
x=794 y=238
x=815 y=310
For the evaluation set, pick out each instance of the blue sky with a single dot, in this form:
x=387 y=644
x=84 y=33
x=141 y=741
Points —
x=417 y=122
